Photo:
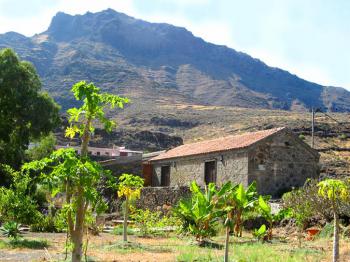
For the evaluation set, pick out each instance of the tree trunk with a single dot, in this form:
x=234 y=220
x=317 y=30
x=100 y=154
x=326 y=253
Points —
x=78 y=232
x=77 y=237
x=227 y=243
x=125 y=226
x=77 y=252
x=336 y=238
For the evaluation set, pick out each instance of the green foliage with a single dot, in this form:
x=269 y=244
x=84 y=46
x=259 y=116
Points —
x=10 y=229
x=343 y=137
x=302 y=137
x=24 y=243
x=15 y=202
x=301 y=207
x=118 y=230
x=265 y=210
x=283 y=213
x=197 y=214
x=327 y=231
x=45 y=223
x=43 y=148
x=64 y=166
x=152 y=223
x=129 y=186
x=334 y=190
x=260 y=233
x=20 y=102
x=94 y=104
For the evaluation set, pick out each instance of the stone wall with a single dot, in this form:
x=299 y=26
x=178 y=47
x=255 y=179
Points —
x=161 y=198
x=280 y=163
x=230 y=166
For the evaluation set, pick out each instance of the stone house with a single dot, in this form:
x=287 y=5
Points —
x=276 y=159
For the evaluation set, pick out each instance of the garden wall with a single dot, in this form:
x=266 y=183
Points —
x=161 y=198
x=153 y=198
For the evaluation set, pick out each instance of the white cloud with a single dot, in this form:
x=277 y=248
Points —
x=39 y=19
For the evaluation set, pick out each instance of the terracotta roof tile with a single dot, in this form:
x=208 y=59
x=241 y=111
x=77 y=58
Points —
x=217 y=145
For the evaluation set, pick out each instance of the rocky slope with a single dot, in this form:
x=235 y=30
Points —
x=152 y=62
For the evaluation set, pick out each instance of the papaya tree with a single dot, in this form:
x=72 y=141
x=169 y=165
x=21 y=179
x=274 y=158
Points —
x=197 y=213
x=336 y=191
x=77 y=176
x=129 y=186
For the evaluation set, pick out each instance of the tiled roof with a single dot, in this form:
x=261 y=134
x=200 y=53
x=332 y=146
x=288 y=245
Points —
x=217 y=145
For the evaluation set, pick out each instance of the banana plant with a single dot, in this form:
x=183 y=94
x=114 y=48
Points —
x=245 y=200
x=231 y=202
x=197 y=212
x=265 y=210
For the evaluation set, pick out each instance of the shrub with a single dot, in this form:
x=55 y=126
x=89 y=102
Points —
x=260 y=233
x=16 y=205
x=307 y=200
x=343 y=137
x=151 y=223
x=45 y=224
x=302 y=137
x=197 y=214
x=118 y=230
x=10 y=229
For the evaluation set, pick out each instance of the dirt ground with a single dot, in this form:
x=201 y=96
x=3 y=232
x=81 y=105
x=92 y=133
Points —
x=101 y=248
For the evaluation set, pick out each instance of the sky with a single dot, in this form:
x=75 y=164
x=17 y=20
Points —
x=309 y=38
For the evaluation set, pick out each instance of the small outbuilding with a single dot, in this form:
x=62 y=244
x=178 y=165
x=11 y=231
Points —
x=276 y=159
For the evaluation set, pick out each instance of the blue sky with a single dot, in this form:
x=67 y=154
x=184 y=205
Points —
x=310 y=38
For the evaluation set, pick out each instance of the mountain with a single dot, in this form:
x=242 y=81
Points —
x=152 y=62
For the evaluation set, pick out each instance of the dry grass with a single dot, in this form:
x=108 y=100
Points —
x=108 y=247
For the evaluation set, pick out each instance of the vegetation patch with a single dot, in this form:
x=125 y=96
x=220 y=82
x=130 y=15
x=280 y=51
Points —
x=24 y=243
x=126 y=247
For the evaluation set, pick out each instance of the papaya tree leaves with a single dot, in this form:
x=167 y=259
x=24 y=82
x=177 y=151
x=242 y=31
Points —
x=94 y=105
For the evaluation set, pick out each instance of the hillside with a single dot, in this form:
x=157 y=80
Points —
x=152 y=62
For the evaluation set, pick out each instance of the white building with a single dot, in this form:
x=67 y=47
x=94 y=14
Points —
x=115 y=151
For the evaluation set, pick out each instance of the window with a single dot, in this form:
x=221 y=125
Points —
x=210 y=172
x=98 y=153
x=165 y=176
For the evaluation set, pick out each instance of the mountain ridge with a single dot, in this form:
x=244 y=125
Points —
x=153 y=61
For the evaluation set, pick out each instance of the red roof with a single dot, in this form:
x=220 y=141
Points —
x=217 y=145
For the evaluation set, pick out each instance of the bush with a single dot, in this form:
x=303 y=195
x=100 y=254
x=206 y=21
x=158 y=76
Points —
x=10 y=229
x=118 y=230
x=45 y=224
x=16 y=205
x=343 y=137
x=151 y=223
x=302 y=137
x=327 y=231
x=306 y=203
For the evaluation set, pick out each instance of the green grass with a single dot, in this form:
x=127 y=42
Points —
x=118 y=230
x=250 y=251
x=126 y=247
x=273 y=252
x=24 y=243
